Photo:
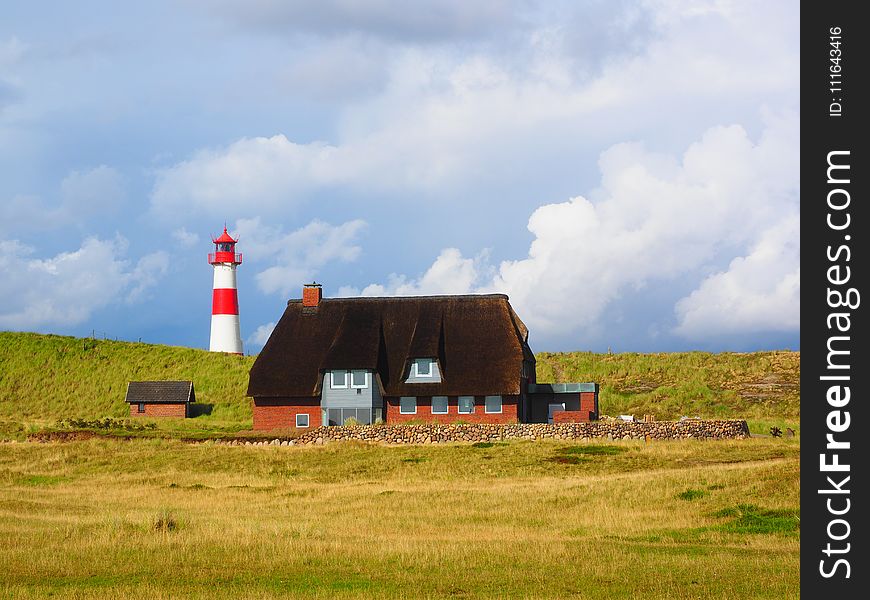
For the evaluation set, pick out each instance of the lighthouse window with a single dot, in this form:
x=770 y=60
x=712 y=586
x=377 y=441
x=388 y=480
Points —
x=224 y=248
x=339 y=379
x=359 y=379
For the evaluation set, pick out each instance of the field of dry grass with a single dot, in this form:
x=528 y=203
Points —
x=164 y=519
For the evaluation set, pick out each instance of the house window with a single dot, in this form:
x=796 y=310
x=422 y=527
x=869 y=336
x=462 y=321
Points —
x=359 y=379
x=423 y=367
x=408 y=405
x=466 y=405
x=141 y=407
x=339 y=379
x=439 y=405
x=301 y=420
x=493 y=404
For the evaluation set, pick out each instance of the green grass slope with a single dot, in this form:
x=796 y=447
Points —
x=46 y=378
x=759 y=385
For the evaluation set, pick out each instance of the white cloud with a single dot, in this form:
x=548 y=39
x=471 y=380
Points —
x=258 y=173
x=449 y=274
x=299 y=254
x=67 y=288
x=759 y=292
x=185 y=238
x=148 y=271
x=449 y=120
x=654 y=217
x=260 y=335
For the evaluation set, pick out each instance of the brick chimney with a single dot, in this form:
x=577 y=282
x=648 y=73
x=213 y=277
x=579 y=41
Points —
x=311 y=294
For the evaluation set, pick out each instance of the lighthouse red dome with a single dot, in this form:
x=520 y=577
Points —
x=225 y=250
x=225 y=238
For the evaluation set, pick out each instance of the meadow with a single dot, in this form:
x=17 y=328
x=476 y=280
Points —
x=155 y=516
x=49 y=378
x=165 y=519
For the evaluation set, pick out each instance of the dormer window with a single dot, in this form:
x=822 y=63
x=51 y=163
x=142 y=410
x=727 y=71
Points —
x=339 y=379
x=343 y=379
x=422 y=367
x=359 y=379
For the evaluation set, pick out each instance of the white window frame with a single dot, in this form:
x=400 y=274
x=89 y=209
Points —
x=332 y=379
x=493 y=412
x=428 y=375
x=307 y=420
x=403 y=412
x=364 y=385
x=446 y=405
x=459 y=407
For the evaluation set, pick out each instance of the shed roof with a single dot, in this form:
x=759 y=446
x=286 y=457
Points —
x=478 y=340
x=160 y=392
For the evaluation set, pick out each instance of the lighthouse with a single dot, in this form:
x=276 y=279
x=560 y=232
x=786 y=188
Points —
x=226 y=335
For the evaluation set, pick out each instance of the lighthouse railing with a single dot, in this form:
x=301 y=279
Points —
x=224 y=257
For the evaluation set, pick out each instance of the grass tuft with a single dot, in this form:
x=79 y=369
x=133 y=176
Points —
x=595 y=449
x=749 y=518
x=691 y=494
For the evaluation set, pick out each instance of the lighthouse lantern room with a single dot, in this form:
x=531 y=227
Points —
x=226 y=335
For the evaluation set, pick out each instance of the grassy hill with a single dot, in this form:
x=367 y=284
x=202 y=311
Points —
x=668 y=385
x=45 y=378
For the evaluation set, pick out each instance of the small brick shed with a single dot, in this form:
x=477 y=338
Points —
x=160 y=398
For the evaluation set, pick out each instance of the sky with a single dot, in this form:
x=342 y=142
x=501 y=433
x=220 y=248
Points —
x=626 y=171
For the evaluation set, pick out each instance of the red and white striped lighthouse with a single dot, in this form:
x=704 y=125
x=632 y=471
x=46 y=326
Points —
x=226 y=335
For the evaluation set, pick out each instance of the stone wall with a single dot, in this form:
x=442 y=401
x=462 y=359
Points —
x=479 y=432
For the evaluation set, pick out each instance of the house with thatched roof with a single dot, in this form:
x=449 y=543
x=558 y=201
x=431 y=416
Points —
x=466 y=358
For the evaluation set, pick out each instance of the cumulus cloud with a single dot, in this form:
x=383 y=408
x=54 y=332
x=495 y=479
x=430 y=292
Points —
x=654 y=217
x=451 y=273
x=447 y=121
x=264 y=174
x=297 y=255
x=261 y=335
x=759 y=292
x=67 y=288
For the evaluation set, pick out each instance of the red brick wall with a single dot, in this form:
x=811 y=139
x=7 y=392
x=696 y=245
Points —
x=160 y=410
x=589 y=402
x=280 y=413
x=508 y=414
x=572 y=416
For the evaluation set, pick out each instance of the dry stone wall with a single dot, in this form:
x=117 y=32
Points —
x=477 y=432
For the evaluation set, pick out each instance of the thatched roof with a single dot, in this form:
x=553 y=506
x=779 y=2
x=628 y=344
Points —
x=479 y=342
x=161 y=392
